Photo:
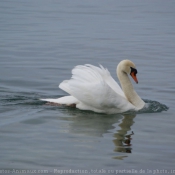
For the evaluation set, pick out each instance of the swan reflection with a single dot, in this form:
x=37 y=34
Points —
x=122 y=139
x=97 y=125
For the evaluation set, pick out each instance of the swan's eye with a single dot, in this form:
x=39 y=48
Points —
x=133 y=71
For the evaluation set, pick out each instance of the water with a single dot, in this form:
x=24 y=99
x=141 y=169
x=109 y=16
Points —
x=41 y=41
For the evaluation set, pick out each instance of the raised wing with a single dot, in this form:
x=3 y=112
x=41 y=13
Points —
x=108 y=79
x=92 y=87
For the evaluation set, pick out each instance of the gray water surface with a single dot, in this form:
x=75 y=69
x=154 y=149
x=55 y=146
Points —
x=41 y=41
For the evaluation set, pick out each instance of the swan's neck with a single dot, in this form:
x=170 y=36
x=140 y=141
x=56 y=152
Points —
x=129 y=91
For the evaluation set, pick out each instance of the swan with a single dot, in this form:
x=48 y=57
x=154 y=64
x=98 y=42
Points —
x=93 y=88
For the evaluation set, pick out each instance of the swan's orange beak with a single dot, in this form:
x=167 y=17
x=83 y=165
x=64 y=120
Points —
x=133 y=75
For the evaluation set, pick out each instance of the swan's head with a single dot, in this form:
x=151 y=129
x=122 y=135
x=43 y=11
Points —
x=128 y=67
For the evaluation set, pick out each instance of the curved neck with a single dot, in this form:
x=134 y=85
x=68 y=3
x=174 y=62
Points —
x=128 y=90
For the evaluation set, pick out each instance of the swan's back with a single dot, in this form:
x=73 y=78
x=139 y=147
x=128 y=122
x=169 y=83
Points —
x=92 y=74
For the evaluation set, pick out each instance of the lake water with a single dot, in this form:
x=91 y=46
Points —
x=41 y=41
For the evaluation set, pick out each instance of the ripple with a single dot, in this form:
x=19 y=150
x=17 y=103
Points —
x=33 y=100
x=19 y=99
x=153 y=107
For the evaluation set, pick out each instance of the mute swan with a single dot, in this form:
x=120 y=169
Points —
x=93 y=88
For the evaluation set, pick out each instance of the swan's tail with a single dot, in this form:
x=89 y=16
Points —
x=67 y=100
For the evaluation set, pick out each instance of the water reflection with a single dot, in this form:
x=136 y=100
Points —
x=96 y=125
x=122 y=139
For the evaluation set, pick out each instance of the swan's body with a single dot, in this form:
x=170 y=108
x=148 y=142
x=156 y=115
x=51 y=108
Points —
x=93 y=88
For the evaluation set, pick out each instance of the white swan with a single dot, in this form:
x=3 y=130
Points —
x=93 y=88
